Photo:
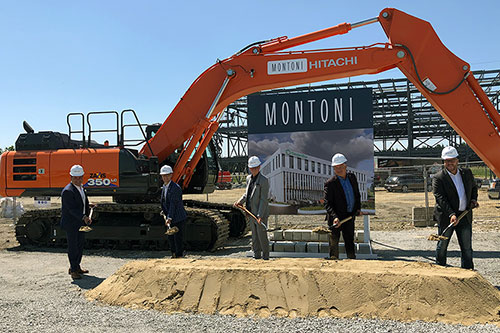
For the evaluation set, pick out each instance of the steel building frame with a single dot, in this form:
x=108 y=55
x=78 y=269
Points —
x=404 y=122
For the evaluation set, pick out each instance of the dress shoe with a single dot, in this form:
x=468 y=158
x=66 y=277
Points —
x=79 y=271
x=82 y=271
x=75 y=276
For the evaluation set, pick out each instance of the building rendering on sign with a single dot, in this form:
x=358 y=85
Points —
x=297 y=177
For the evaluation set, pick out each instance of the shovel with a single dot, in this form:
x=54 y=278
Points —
x=342 y=221
x=86 y=228
x=325 y=230
x=435 y=237
x=170 y=230
x=251 y=215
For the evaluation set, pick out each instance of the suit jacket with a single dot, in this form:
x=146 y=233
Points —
x=72 y=208
x=446 y=195
x=171 y=203
x=259 y=202
x=335 y=201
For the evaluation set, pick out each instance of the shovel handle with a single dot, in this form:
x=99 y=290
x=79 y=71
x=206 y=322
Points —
x=250 y=213
x=343 y=221
x=461 y=216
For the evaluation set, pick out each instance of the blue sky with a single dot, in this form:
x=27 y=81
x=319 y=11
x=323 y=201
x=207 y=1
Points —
x=59 y=57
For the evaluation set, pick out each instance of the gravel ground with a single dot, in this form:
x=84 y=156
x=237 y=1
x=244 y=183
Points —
x=37 y=294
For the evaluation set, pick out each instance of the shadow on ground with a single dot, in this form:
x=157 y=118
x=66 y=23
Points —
x=88 y=282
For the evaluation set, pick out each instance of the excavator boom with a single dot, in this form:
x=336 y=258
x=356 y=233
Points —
x=443 y=78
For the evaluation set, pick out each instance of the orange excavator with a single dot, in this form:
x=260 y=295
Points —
x=40 y=164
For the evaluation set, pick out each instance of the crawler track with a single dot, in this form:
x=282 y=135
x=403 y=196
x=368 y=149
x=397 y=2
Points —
x=136 y=226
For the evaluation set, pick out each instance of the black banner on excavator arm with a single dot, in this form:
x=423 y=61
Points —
x=310 y=111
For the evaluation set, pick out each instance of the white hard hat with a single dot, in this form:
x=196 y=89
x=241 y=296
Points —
x=166 y=170
x=338 y=159
x=253 y=162
x=449 y=152
x=76 y=171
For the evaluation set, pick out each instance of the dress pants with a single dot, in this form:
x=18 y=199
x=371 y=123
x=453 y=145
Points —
x=260 y=242
x=464 y=235
x=176 y=241
x=347 y=229
x=76 y=240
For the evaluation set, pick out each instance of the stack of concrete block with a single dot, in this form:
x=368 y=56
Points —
x=300 y=235
x=298 y=240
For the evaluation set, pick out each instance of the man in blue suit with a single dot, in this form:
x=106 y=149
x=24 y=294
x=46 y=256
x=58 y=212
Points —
x=173 y=208
x=75 y=213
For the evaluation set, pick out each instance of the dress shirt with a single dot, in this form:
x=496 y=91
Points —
x=166 y=189
x=459 y=185
x=82 y=194
x=349 y=193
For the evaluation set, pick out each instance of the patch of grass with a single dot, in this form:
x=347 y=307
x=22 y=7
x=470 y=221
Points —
x=481 y=172
x=312 y=208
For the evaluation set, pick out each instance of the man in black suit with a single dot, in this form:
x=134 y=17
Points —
x=74 y=214
x=455 y=191
x=342 y=200
x=173 y=208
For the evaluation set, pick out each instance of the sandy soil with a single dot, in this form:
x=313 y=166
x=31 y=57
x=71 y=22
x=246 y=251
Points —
x=288 y=287
x=404 y=290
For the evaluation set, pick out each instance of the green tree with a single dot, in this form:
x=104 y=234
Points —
x=7 y=149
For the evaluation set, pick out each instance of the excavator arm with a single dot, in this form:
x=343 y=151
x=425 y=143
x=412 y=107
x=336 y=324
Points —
x=443 y=78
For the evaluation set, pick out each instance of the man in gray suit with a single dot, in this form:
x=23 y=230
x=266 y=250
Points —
x=256 y=201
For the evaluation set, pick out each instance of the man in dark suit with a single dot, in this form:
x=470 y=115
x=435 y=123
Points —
x=74 y=214
x=342 y=200
x=257 y=202
x=455 y=191
x=173 y=208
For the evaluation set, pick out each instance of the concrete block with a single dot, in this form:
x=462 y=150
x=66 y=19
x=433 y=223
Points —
x=314 y=237
x=300 y=246
x=312 y=247
x=364 y=248
x=341 y=248
x=324 y=248
x=360 y=236
x=306 y=235
x=279 y=246
x=323 y=237
x=278 y=235
x=289 y=246
x=297 y=235
x=271 y=246
x=284 y=246
x=288 y=235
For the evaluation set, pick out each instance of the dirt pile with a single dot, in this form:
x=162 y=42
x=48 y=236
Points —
x=403 y=291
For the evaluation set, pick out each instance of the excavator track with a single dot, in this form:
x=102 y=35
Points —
x=128 y=226
x=238 y=225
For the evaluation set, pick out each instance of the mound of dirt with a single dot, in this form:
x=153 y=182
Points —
x=404 y=291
